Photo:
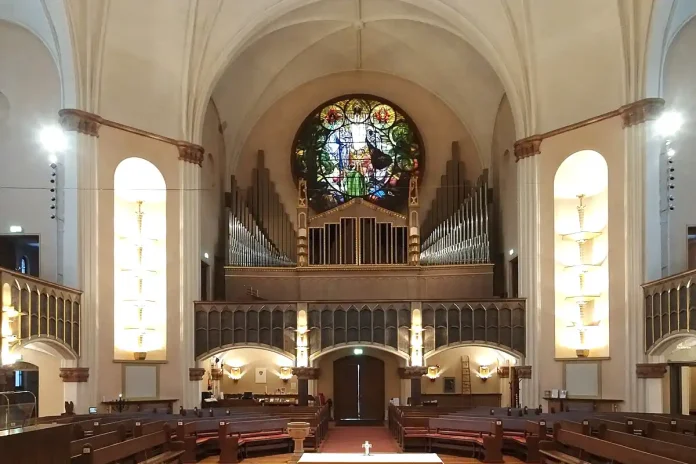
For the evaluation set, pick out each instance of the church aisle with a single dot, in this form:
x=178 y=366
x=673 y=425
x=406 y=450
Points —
x=285 y=458
x=350 y=440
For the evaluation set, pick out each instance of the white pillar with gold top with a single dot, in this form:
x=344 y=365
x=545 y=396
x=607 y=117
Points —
x=190 y=159
x=84 y=131
x=529 y=259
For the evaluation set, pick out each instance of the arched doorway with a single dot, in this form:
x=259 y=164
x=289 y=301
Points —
x=358 y=389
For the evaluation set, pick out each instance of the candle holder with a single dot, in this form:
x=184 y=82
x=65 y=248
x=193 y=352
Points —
x=120 y=404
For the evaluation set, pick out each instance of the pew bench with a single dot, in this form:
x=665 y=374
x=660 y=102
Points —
x=253 y=436
x=483 y=436
x=155 y=448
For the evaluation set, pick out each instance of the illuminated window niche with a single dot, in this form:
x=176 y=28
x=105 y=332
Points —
x=581 y=269
x=140 y=261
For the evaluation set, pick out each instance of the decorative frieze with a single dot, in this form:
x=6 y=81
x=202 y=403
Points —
x=528 y=147
x=72 y=120
x=74 y=374
x=306 y=373
x=196 y=374
x=190 y=153
x=641 y=111
x=412 y=372
x=651 y=371
x=524 y=372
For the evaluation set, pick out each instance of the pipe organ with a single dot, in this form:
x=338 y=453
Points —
x=260 y=233
x=463 y=237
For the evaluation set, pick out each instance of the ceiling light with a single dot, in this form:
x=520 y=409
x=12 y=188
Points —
x=53 y=139
x=669 y=123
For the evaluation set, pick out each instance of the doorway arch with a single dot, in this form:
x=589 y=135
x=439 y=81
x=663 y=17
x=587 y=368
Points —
x=358 y=389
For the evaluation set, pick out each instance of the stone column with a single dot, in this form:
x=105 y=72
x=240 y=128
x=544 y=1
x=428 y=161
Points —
x=415 y=374
x=190 y=161
x=634 y=118
x=85 y=127
x=529 y=257
x=304 y=375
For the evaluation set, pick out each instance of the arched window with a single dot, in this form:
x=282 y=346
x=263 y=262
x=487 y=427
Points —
x=357 y=147
x=24 y=265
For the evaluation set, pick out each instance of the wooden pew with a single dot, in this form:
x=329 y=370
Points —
x=98 y=441
x=649 y=445
x=556 y=451
x=159 y=444
x=483 y=436
x=254 y=436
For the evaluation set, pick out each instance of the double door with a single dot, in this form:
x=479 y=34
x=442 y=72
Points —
x=358 y=388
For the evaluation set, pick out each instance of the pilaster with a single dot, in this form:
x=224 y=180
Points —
x=635 y=117
x=529 y=264
x=86 y=132
x=190 y=157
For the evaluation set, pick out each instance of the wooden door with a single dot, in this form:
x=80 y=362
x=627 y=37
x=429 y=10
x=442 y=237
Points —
x=358 y=388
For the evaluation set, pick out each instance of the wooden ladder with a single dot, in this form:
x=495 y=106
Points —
x=466 y=380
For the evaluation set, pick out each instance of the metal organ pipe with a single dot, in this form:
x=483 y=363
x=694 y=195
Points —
x=463 y=237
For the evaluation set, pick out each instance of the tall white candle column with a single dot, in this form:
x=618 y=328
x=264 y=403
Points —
x=85 y=127
x=636 y=131
x=190 y=160
x=529 y=260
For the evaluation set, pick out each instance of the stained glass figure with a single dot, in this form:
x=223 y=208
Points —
x=357 y=147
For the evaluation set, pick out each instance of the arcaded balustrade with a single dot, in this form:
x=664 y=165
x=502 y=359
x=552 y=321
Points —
x=670 y=307
x=46 y=310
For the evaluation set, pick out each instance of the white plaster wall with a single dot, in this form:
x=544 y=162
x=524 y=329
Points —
x=680 y=95
x=30 y=81
x=214 y=182
x=51 y=402
x=504 y=181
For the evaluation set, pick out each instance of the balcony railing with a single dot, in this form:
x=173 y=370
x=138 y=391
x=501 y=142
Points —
x=670 y=307
x=47 y=311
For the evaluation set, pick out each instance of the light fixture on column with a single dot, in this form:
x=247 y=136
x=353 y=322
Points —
x=8 y=336
x=582 y=299
x=433 y=372
x=285 y=374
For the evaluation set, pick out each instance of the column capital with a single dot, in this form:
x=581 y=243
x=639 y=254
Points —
x=651 y=371
x=308 y=373
x=196 y=374
x=528 y=147
x=74 y=374
x=412 y=372
x=216 y=373
x=190 y=153
x=72 y=120
x=504 y=372
x=524 y=372
x=647 y=109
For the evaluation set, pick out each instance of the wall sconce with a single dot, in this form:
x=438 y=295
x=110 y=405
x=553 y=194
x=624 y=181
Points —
x=235 y=374
x=433 y=373
x=285 y=374
x=484 y=372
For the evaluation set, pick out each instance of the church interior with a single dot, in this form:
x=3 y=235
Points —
x=333 y=231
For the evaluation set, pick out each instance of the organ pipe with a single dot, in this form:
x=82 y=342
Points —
x=463 y=237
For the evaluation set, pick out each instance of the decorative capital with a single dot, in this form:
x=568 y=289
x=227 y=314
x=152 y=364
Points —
x=74 y=374
x=72 y=120
x=641 y=111
x=651 y=371
x=504 y=372
x=196 y=374
x=528 y=147
x=190 y=153
x=216 y=373
x=412 y=372
x=306 y=373
x=524 y=372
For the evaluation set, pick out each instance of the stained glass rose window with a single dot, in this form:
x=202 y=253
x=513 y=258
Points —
x=357 y=147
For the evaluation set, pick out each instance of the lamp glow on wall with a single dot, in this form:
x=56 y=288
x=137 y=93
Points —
x=433 y=373
x=285 y=373
x=581 y=251
x=8 y=336
x=140 y=261
x=235 y=374
x=302 y=357
x=416 y=338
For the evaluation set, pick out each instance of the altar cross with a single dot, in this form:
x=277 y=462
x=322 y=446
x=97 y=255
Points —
x=366 y=446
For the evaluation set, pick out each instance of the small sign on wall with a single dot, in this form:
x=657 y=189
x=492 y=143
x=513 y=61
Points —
x=260 y=375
